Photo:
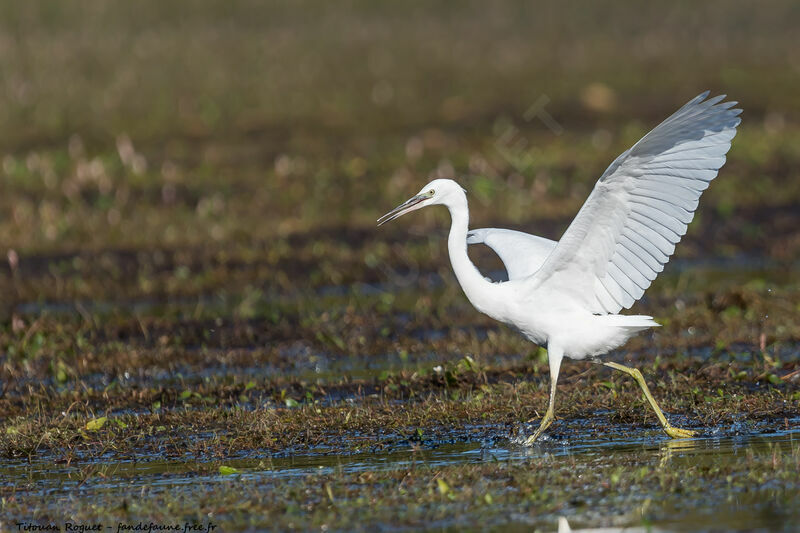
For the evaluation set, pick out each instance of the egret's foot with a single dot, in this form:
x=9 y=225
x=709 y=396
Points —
x=530 y=440
x=678 y=433
x=544 y=424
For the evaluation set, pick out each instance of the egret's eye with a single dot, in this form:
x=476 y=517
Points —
x=431 y=192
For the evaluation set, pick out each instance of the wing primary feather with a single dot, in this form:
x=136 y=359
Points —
x=620 y=296
x=655 y=225
x=647 y=247
x=686 y=199
x=699 y=171
x=678 y=207
x=693 y=184
x=630 y=271
x=607 y=302
x=637 y=264
x=667 y=208
x=647 y=234
x=624 y=281
x=650 y=262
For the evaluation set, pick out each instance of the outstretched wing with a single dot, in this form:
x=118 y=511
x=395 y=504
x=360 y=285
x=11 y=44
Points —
x=639 y=209
x=521 y=253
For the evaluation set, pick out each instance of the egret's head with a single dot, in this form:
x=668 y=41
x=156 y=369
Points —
x=440 y=191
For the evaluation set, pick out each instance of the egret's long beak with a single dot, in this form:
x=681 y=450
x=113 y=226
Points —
x=406 y=207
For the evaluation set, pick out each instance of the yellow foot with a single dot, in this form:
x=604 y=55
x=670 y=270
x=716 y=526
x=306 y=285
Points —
x=544 y=424
x=678 y=433
x=530 y=440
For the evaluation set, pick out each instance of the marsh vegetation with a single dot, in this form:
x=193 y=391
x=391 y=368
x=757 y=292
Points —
x=199 y=320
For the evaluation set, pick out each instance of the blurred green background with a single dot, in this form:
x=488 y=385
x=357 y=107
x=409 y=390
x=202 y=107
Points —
x=155 y=124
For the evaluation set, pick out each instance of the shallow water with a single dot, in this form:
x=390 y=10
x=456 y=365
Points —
x=573 y=447
x=48 y=476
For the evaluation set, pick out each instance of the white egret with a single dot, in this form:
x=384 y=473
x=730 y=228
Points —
x=567 y=294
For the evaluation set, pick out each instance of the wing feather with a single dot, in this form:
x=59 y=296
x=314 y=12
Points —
x=663 y=207
x=667 y=226
x=521 y=253
x=631 y=270
x=639 y=209
x=640 y=239
x=683 y=207
x=604 y=298
x=648 y=253
x=637 y=263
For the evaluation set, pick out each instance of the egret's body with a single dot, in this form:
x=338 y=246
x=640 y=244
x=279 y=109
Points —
x=567 y=294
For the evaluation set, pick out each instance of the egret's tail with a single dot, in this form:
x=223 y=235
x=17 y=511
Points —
x=631 y=323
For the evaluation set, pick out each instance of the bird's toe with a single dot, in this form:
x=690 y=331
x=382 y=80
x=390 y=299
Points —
x=678 y=433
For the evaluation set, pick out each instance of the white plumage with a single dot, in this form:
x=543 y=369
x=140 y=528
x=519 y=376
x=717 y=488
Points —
x=640 y=207
x=567 y=294
x=522 y=253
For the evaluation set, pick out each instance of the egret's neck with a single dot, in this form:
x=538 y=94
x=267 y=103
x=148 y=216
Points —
x=475 y=286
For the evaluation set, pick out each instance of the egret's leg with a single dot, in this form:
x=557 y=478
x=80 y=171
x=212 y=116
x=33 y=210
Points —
x=554 y=356
x=669 y=429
